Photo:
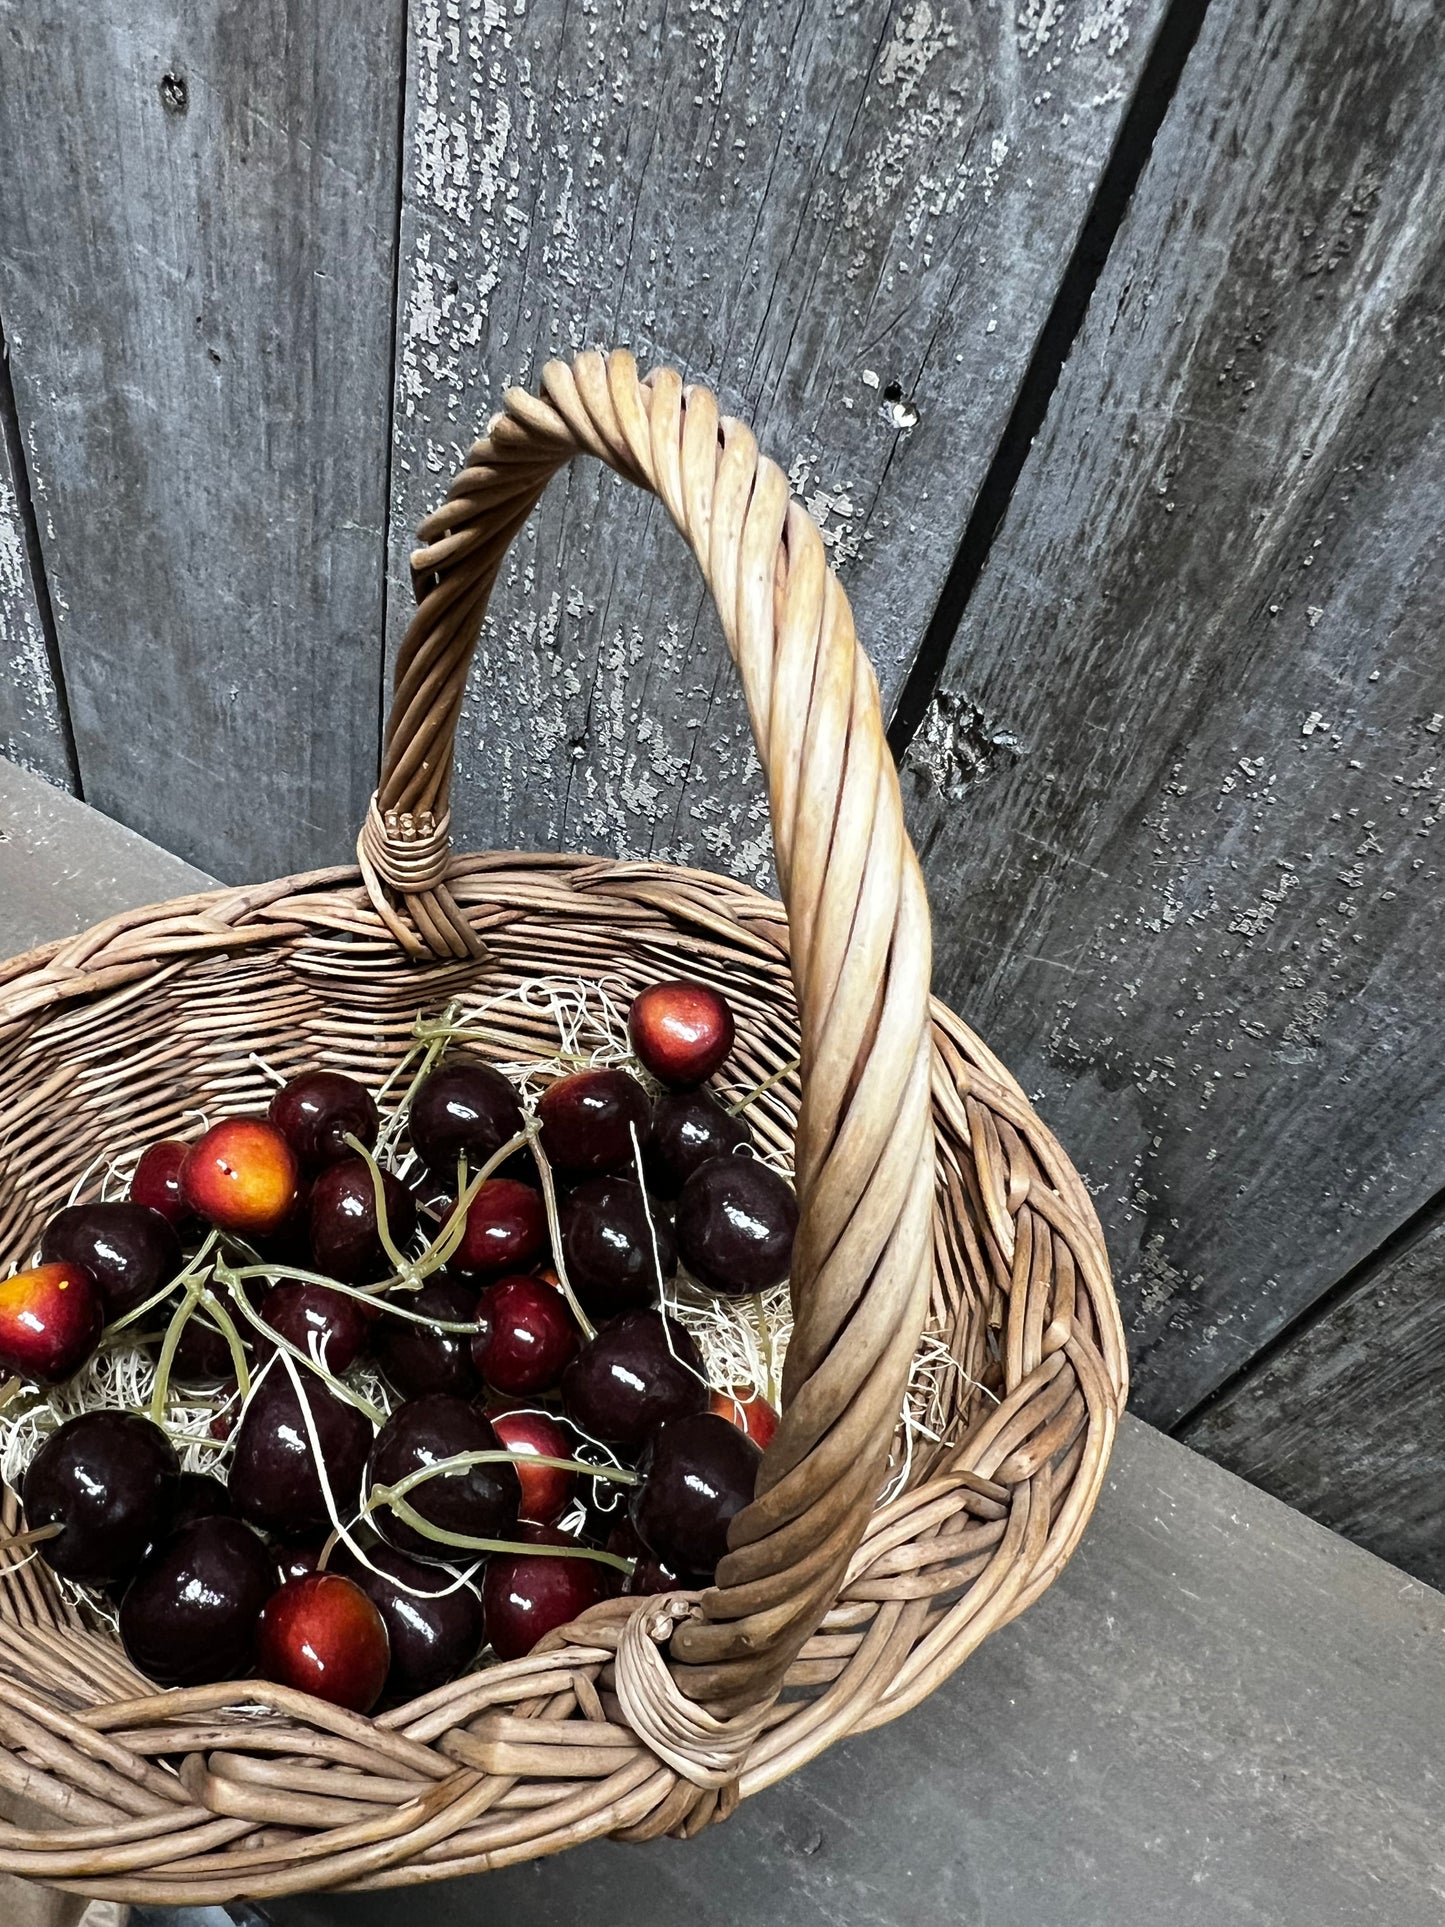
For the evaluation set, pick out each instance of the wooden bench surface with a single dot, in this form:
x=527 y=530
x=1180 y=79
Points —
x=1222 y=1713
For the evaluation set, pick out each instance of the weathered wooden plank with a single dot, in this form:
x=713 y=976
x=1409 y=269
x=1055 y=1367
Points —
x=32 y=712
x=1179 y=791
x=196 y=267
x=1346 y=1421
x=851 y=221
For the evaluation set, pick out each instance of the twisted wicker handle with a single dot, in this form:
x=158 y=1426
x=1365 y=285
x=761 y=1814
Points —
x=859 y=935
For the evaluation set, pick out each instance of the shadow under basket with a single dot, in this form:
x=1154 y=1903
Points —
x=937 y=1214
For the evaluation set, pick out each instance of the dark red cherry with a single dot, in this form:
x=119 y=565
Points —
x=274 y=1479
x=345 y=1238
x=418 y=1359
x=108 y=1479
x=241 y=1176
x=326 y=1325
x=203 y=1356
x=526 y=1595
x=157 y=1182
x=50 y=1322
x=190 y=1614
x=322 y=1635
x=735 y=1224
x=749 y=1411
x=317 y=1111
x=295 y=1561
x=546 y=1489
x=199 y=1496
x=588 y=1119
x=464 y=1108
x=697 y=1473
x=290 y=1242
x=526 y=1338
x=688 y=1128
x=479 y=1502
x=615 y=1245
x=129 y=1250
x=434 y=1625
x=639 y=1370
x=681 y=1031
x=648 y=1575
x=506 y=1230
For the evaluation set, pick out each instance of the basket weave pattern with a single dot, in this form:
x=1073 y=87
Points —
x=932 y=1200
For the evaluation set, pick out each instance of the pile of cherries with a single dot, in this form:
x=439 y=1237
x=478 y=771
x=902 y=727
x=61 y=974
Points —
x=482 y=1513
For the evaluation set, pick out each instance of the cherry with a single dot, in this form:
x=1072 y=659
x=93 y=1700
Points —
x=418 y=1359
x=274 y=1480
x=506 y=1229
x=345 y=1236
x=290 y=1242
x=241 y=1176
x=735 y=1224
x=648 y=1575
x=190 y=1614
x=322 y=1635
x=199 y=1496
x=480 y=1501
x=526 y=1595
x=640 y=1369
x=51 y=1319
x=749 y=1411
x=688 y=1128
x=129 y=1250
x=616 y=1248
x=295 y=1561
x=203 y=1356
x=681 y=1031
x=546 y=1489
x=316 y=1111
x=587 y=1120
x=434 y=1625
x=157 y=1181
x=321 y=1323
x=697 y=1473
x=464 y=1108
x=526 y=1338
x=108 y=1479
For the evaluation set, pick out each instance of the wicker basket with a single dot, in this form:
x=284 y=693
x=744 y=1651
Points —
x=933 y=1200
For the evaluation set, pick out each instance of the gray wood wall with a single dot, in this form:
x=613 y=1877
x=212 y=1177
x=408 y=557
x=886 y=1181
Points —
x=1102 y=336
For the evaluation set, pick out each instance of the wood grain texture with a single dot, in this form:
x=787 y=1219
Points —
x=32 y=713
x=851 y=222
x=1346 y=1421
x=196 y=267
x=1178 y=794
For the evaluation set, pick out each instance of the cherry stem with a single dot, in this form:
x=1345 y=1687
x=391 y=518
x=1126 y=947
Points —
x=761 y=1090
x=464 y=1543
x=554 y=1230
x=231 y=1280
x=32 y=1536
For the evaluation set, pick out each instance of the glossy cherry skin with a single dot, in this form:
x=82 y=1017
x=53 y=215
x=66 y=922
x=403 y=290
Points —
x=464 y=1108
x=480 y=1502
x=190 y=1614
x=317 y=1322
x=322 y=1635
x=295 y=1561
x=130 y=1251
x=630 y=1378
x=51 y=1319
x=345 y=1237
x=749 y=1411
x=697 y=1474
x=588 y=1119
x=526 y=1595
x=109 y=1480
x=688 y=1128
x=615 y=1246
x=546 y=1489
x=506 y=1230
x=418 y=1359
x=433 y=1638
x=318 y=1110
x=735 y=1225
x=527 y=1336
x=156 y=1182
x=274 y=1481
x=241 y=1176
x=681 y=1031
x=199 y=1496
x=649 y=1575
